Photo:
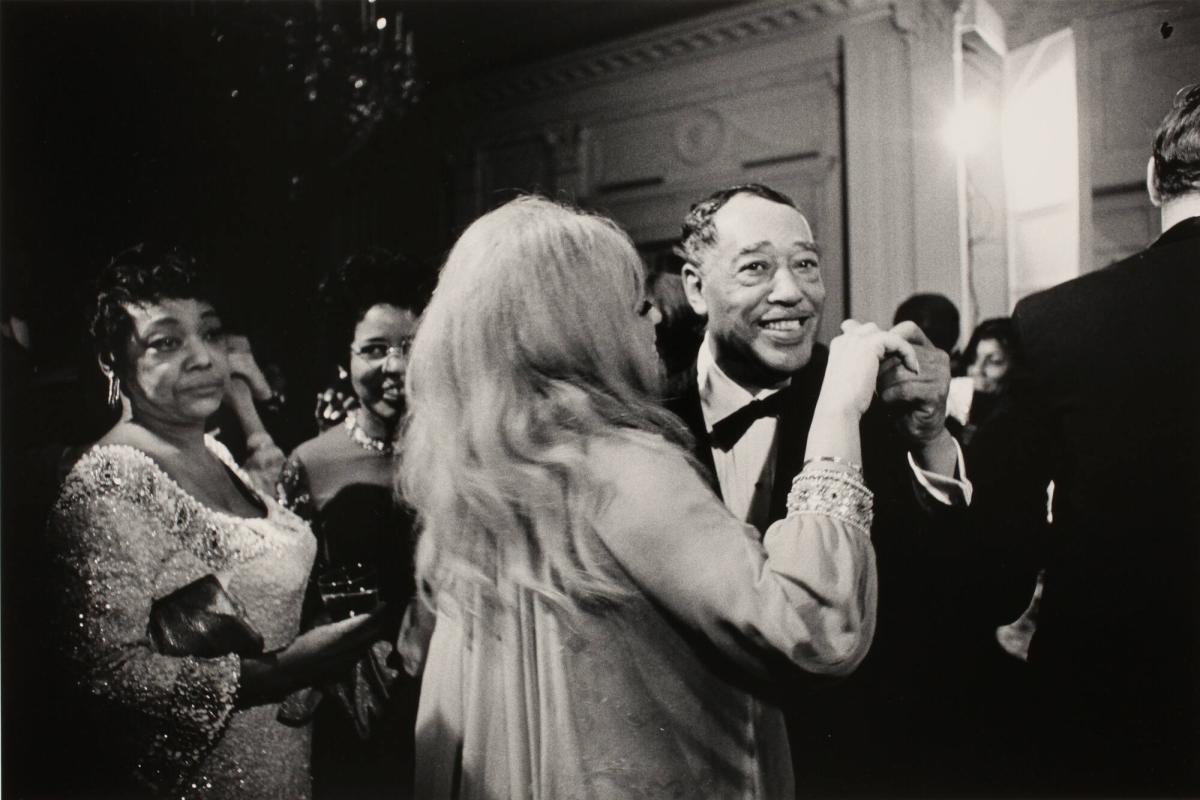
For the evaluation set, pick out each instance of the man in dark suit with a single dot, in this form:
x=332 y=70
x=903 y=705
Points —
x=1113 y=418
x=752 y=270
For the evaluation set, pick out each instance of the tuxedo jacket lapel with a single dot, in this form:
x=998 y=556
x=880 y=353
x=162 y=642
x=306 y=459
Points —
x=791 y=434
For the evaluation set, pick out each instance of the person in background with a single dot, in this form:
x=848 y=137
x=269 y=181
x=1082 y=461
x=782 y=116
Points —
x=157 y=507
x=995 y=376
x=992 y=367
x=1111 y=417
x=240 y=425
x=342 y=482
x=936 y=316
x=989 y=355
x=605 y=627
x=677 y=336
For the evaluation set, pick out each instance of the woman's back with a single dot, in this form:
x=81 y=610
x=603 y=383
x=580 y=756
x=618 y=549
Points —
x=602 y=619
x=524 y=697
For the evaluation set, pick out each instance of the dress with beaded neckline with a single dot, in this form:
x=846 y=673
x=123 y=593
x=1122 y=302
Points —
x=123 y=533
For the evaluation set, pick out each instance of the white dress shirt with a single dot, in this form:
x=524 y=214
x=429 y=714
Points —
x=746 y=472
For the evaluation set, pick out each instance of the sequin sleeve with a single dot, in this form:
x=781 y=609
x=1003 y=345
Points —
x=113 y=535
x=293 y=492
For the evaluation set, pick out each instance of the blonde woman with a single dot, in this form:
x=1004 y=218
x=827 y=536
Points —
x=604 y=626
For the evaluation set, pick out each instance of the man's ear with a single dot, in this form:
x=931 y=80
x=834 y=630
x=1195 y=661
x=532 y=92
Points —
x=693 y=286
x=1150 y=187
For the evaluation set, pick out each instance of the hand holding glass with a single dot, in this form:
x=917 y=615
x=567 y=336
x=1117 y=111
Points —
x=349 y=590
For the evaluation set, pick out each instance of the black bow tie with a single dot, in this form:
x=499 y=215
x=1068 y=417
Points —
x=727 y=432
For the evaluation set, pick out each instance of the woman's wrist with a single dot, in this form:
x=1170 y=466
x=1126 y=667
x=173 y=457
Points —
x=834 y=464
x=257 y=682
x=834 y=433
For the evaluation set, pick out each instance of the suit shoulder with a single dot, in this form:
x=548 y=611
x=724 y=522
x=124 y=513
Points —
x=1089 y=296
x=1052 y=300
x=1111 y=283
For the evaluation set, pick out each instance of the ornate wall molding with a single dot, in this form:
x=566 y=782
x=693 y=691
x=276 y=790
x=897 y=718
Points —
x=919 y=17
x=699 y=135
x=736 y=28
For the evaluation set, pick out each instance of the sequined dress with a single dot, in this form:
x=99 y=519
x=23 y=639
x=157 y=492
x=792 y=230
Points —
x=124 y=533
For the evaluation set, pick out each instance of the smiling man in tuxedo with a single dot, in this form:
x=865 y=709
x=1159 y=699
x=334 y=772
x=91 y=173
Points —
x=752 y=270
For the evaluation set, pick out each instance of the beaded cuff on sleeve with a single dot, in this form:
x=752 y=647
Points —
x=832 y=493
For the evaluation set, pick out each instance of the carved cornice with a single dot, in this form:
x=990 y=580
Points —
x=919 y=17
x=732 y=29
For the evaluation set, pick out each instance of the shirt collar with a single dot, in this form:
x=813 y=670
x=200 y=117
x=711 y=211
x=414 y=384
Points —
x=721 y=395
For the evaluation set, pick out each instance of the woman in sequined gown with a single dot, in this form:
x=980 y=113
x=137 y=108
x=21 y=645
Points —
x=605 y=627
x=154 y=506
x=342 y=482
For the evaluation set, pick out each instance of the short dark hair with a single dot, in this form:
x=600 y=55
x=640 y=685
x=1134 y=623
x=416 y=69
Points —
x=1000 y=329
x=364 y=280
x=144 y=274
x=1177 y=146
x=698 y=230
x=936 y=316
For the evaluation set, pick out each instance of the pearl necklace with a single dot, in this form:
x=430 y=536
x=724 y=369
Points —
x=364 y=440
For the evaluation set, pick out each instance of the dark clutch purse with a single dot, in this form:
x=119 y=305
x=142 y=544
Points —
x=201 y=619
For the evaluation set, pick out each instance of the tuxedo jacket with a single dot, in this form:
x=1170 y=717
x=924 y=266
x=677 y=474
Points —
x=857 y=733
x=1112 y=415
x=884 y=458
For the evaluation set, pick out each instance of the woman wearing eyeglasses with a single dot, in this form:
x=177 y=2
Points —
x=342 y=482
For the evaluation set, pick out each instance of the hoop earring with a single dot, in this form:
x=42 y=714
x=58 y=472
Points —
x=114 y=391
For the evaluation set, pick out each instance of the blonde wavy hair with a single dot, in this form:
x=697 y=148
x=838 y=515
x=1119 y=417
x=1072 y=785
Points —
x=528 y=350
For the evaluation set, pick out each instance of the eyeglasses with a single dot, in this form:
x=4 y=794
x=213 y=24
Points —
x=378 y=352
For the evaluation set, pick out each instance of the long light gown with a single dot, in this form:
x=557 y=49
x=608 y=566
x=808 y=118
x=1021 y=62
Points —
x=668 y=691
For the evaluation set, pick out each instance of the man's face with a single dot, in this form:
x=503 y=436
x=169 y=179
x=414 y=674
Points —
x=760 y=287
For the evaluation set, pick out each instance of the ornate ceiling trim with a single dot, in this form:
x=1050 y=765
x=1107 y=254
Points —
x=738 y=27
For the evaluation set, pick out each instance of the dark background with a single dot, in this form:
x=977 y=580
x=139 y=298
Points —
x=120 y=124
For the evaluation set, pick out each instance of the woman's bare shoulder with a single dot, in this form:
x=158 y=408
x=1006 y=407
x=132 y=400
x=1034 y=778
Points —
x=126 y=434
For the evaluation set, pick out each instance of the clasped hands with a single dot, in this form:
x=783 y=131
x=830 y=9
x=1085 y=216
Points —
x=910 y=376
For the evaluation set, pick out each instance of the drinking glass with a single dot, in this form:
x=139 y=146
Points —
x=349 y=590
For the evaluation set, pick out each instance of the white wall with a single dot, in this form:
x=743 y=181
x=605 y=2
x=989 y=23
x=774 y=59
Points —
x=1041 y=158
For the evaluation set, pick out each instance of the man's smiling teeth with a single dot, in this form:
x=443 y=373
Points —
x=783 y=325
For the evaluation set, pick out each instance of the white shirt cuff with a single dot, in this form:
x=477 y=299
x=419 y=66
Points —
x=949 y=491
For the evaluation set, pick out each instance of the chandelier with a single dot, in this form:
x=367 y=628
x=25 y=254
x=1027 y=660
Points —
x=362 y=68
x=338 y=71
